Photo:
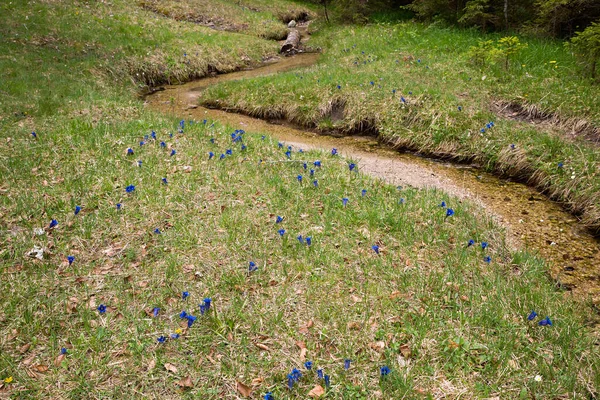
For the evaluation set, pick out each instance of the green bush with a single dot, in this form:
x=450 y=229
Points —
x=586 y=45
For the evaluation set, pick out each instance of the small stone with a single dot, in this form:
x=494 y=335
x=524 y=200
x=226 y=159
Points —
x=292 y=24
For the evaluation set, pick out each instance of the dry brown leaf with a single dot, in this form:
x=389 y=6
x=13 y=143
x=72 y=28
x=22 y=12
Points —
x=24 y=348
x=317 y=391
x=40 y=368
x=356 y=299
x=59 y=360
x=353 y=325
x=29 y=359
x=405 y=350
x=303 y=354
x=170 y=367
x=394 y=295
x=185 y=382
x=300 y=344
x=244 y=390
x=151 y=365
x=262 y=346
x=377 y=346
x=257 y=381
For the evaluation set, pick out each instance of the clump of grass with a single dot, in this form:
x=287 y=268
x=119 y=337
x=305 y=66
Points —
x=416 y=88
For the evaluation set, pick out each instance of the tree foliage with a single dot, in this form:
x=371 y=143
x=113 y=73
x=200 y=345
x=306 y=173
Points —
x=587 y=47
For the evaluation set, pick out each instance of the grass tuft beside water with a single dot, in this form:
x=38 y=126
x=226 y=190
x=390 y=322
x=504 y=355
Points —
x=103 y=247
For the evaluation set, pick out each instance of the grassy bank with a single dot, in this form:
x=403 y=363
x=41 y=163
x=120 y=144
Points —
x=84 y=319
x=418 y=88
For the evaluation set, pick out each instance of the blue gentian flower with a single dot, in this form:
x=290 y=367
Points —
x=409 y=92
x=173 y=152
x=317 y=163
x=252 y=267
x=443 y=204
x=347 y=361
x=53 y=224
x=308 y=365
x=316 y=183
x=403 y=99
x=77 y=209
x=153 y=134
x=268 y=396
x=375 y=248
x=560 y=165
x=531 y=316
x=202 y=309
x=207 y=303
x=139 y=163
x=351 y=166
x=459 y=108
x=279 y=219
x=384 y=371
x=344 y=201
x=546 y=321
x=129 y=151
x=70 y=259
x=339 y=87
x=419 y=60
x=163 y=144
x=174 y=335
x=204 y=121
x=280 y=145
x=289 y=148
x=222 y=156
x=190 y=320
x=130 y=188
x=229 y=152
x=161 y=339
x=449 y=212
x=308 y=240
x=512 y=146
x=363 y=192
x=263 y=137
x=487 y=259
x=320 y=373
x=185 y=295
x=372 y=83
x=101 y=308
x=34 y=135
x=299 y=238
x=183 y=314
x=212 y=140
x=63 y=350
x=146 y=137
x=299 y=178
x=471 y=243
x=288 y=154
x=118 y=206
x=157 y=231
x=164 y=180
x=484 y=245
x=482 y=130
x=334 y=151
x=281 y=232
x=155 y=312
x=327 y=381
x=304 y=166
x=393 y=91
x=312 y=172
x=142 y=143
x=290 y=381
x=210 y=155
x=243 y=147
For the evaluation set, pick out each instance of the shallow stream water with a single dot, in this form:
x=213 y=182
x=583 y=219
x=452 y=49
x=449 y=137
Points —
x=532 y=220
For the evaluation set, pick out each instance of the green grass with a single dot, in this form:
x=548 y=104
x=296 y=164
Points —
x=458 y=322
x=429 y=67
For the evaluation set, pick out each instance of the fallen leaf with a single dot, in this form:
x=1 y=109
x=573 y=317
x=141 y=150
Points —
x=261 y=346
x=405 y=350
x=59 y=360
x=353 y=325
x=185 y=382
x=171 y=368
x=394 y=295
x=377 y=346
x=40 y=368
x=244 y=390
x=257 y=381
x=151 y=365
x=24 y=348
x=356 y=299
x=317 y=391
x=29 y=359
x=303 y=354
x=300 y=344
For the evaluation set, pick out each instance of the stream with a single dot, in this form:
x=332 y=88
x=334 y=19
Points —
x=532 y=221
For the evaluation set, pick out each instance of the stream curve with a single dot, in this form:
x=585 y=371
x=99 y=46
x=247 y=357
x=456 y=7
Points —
x=532 y=220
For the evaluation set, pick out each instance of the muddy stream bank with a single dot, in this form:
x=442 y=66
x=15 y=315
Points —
x=532 y=221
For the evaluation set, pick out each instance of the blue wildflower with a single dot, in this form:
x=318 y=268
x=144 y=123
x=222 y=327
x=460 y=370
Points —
x=101 y=308
x=161 y=339
x=339 y=87
x=375 y=248
x=77 y=209
x=164 y=180
x=312 y=172
x=280 y=145
x=459 y=108
x=334 y=151
x=173 y=152
x=471 y=243
x=288 y=154
x=384 y=371
x=320 y=373
x=174 y=335
x=155 y=312
x=190 y=320
x=63 y=350
x=308 y=365
x=487 y=259
x=243 y=147
x=202 y=309
x=263 y=137
x=317 y=163
x=299 y=238
x=299 y=178
x=484 y=245
x=204 y=121
x=512 y=146
x=308 y=240
x=53 y=224
x=409 y=92
x=34 y=135
x=252 y=267
x=70 y=259
x=153 y=134
x=157 y=231
x=363 y=192
x=327 y=381
x=482 y=130
x=207 y=303
x=229 y=152
x=222 y=156
x=347 y=361
x=268 y=396
x=545 y=322
x=443 y=204
x=139 y=163
x=129 y=151
x=531 y=316
x=185 y=295
x=304 y=166
x=119 y=206
x=560 y=165
x=281 y=232
x=316 y=183
x=403 y=99
x=393 y=91
x=163 y=144
x=146 y=137
x=372 y=83
x=290 y=382
x=142 y=143
x=351 y=166
x=449 y=212
x=130 y=188
x=345 y=201
x=210 y=155
x=183 y=314
x=212 y=140
x=279 y=219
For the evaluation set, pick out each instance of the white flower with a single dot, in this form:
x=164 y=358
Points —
x=538 y=378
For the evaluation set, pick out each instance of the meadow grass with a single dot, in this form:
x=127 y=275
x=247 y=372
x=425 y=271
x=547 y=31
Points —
x=446 y=322
x=416 y=87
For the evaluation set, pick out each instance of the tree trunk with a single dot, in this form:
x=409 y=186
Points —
x=325 y=8
x=292 y=43
x=506 y=14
